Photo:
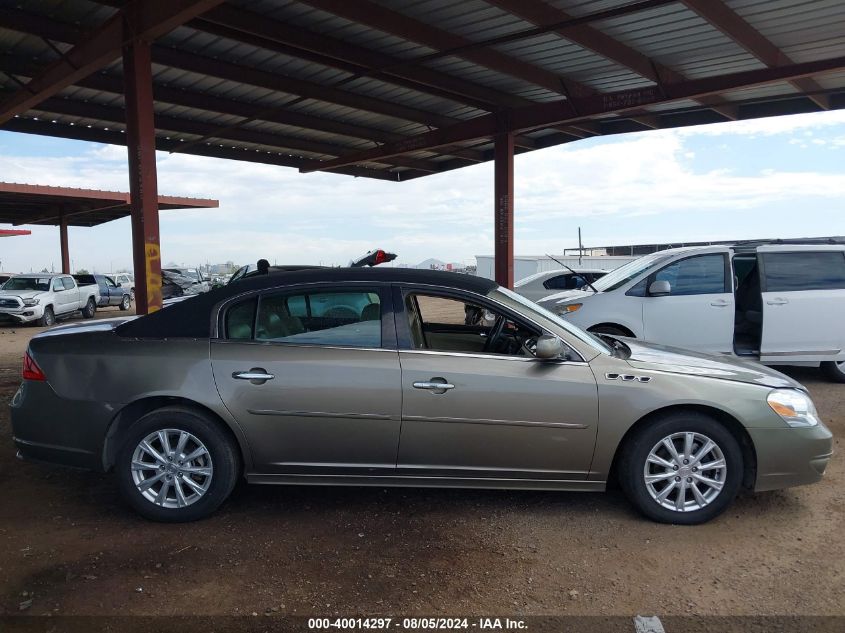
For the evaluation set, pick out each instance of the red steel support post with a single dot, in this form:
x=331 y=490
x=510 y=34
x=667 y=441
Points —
x=64 y=244
x=503 y=192
x=143 y=187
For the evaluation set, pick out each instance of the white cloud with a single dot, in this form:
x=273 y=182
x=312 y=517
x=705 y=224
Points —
x=274 y=212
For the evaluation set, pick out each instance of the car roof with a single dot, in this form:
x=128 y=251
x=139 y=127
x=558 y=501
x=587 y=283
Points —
x=39 y=275
x=192 y=318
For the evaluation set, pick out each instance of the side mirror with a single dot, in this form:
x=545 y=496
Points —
x=660 y=288
x=548 y=347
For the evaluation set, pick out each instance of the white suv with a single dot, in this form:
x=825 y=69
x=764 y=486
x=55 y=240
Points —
x=777 y=302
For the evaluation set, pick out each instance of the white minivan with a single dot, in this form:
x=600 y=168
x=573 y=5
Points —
x=781 y=302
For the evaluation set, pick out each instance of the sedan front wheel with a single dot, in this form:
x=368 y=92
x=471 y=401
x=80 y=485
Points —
x=683 y=468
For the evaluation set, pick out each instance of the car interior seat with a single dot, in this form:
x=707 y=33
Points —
x=275 y=321
x=371 y=312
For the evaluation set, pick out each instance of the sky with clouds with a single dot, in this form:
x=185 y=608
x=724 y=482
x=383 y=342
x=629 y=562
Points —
x=777 y=177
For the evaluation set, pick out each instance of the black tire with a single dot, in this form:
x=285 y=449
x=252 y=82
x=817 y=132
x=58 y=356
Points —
x=224 y=456
x=608 y=329
x=132 y=295
x=90 y=309
x=125 y=303
x=48 y=318
x=834 y=371
x=636 y=450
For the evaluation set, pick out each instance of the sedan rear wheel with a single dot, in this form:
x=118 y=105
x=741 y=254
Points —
x=176 y=464
x=683 y=468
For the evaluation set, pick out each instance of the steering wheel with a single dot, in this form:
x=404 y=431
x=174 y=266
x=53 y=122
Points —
x=495 y=334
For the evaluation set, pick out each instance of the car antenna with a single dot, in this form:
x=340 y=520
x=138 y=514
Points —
x=584 y=277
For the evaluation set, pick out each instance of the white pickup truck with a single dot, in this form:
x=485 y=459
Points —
x=44 y=297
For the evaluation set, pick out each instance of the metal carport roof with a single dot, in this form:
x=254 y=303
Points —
x=387 y=88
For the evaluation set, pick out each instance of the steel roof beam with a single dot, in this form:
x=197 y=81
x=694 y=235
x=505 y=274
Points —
x=588 y=37
x=179 y=125
x=139 y=20
x=719 y=15
x=543 y=115
x=395 y=23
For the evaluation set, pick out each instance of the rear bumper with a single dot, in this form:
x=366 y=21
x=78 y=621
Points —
x=791 y=456
x=48 y=428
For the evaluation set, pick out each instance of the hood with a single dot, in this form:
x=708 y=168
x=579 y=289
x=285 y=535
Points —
x=565 y=297
x=23 y=294
x=681 y=361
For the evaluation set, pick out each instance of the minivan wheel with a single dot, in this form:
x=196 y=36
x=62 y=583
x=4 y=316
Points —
x=90 y=309
x=834 y=370
x=683 y=468
x=176 y=465
x=125 y=303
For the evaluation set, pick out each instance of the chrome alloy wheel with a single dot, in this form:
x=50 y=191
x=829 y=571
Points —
x=172 y=468
x=685 y=472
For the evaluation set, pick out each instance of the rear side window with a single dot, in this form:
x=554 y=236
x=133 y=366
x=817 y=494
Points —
x=564 y=282
x=790 y=272
x=337 y=318
x=699 y=275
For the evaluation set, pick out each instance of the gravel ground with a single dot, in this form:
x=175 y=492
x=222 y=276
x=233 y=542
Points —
x=69 y=547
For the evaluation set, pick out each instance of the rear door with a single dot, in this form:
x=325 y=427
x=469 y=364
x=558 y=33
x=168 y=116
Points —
x=312 y=375
x=803 y=303
x=699 y=311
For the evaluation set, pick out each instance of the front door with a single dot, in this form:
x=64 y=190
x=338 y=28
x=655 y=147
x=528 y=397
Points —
x=311 y=377
x=803 y=304
x=476 y=403
x=698 y=313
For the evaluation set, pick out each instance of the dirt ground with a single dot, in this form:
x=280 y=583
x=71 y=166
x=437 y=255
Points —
x=68 y=545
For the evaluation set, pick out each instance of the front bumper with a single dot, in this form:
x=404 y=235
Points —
x=791 y=456
x=22 y=315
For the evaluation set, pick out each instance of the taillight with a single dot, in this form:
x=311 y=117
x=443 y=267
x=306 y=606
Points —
x=31 y=370
x=381 y=257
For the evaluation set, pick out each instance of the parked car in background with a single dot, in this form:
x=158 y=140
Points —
x=111 y=294
x=4 y=277
x=373 y=377
x=542 y=284
x=175 y=284
x=125 y=280
x=782 y=303
x=194 y=275
x=370 y=259
x=44 y=297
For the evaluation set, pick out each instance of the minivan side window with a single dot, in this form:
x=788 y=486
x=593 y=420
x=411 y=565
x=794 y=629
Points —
x=790 y=272
x=698 y=275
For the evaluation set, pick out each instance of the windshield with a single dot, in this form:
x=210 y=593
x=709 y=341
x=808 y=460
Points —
x=622 y=275
x=539 y=313
x=28 y=283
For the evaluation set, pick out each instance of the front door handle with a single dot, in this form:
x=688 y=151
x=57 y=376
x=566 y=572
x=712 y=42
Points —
x=435 y=385
x=777 y=301
x=721 y=303
x=256 y=376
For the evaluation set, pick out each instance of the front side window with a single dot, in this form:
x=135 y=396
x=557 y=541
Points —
x=337 y=318
x=699 y=275
x=68 y=283
x=58 y=286
x=453 y=325
x=790 y=272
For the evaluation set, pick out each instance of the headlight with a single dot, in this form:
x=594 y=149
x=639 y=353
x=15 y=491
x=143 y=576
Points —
x=794 y=406
x=30 y=302
x=569 y=308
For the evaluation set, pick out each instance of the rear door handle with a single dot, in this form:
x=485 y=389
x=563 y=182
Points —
x=256 y=375
x=777 y=301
